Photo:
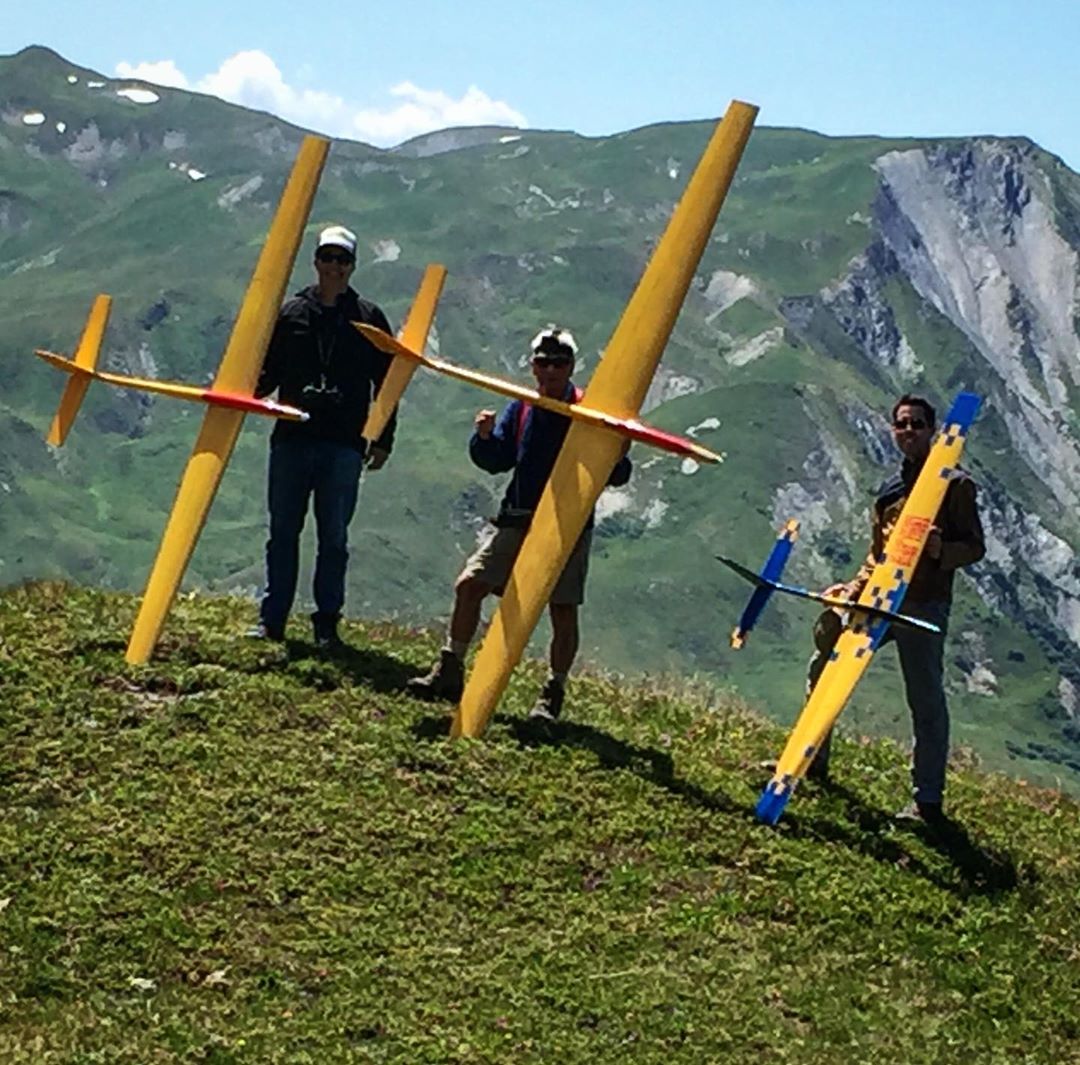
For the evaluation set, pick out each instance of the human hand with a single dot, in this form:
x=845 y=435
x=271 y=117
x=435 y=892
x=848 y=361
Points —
x=839 y=591
x=933 y=543
x=484 y=423
x=376 y=458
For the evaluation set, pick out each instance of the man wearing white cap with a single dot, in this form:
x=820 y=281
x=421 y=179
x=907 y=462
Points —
x=527 y=440
x=316 y=361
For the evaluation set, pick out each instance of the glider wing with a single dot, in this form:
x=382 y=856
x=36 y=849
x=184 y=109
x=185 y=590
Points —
x=766 y=581
x=628 y=427
x=175 y=390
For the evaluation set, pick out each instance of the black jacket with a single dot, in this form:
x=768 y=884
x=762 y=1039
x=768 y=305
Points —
x=318 y=362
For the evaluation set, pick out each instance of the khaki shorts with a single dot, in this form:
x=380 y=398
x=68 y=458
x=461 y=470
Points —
x=494 y=558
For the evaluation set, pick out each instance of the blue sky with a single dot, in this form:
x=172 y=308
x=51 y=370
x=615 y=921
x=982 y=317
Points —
x=383 y=73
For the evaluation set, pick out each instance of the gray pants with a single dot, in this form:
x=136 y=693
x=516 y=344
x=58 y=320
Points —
x=922 y=665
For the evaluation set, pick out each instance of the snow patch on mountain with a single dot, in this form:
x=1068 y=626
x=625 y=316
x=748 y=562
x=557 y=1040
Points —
x=386 y=251
x=755 y=347
x=725 y=289
x=238 y=193
x=139 y=95
x=38 y=262
x=707 y=424
x=613 y=501
x=668 y=385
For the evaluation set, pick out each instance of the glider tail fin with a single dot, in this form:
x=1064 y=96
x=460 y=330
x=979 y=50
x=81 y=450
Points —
x=414 y=334
x=81 y=368
x=765 y=581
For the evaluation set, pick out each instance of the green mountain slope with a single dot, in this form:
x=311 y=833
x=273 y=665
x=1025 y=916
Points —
x=831 y=284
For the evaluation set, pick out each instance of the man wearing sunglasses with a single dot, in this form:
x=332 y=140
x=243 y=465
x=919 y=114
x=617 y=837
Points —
x=526 y=440
x=316 y=361
x=956 y=540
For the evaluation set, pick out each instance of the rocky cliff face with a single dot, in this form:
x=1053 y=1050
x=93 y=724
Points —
x=978 y=230
x=972 y=227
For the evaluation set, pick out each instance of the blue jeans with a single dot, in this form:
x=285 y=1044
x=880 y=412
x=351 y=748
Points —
x=922 y=666
x=299 y=469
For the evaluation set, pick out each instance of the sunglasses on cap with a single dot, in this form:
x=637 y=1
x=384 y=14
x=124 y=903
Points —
x=909 y=423
x=333 y=257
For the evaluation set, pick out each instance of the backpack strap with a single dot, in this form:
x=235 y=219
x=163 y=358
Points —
x=526 y=409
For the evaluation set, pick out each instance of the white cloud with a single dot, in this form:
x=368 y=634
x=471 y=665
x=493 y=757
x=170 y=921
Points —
x=253 y=79
x=164 y=73
x=424 y=110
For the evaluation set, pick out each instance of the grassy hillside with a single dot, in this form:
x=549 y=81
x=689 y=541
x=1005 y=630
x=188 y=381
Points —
x=252 y=854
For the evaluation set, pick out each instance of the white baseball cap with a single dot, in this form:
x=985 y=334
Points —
x=554 y=340
x=338 y=237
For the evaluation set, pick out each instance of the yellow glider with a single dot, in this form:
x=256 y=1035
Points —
x=629 y=427
x=617 y=388
x=237 y=374
x=884 y=591
x=218 y=435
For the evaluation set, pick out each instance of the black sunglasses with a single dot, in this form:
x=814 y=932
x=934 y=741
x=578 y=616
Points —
x=334 y=257
x=551 y=360
x=909 y=423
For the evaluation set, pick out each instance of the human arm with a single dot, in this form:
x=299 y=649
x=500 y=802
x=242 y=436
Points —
x=851 y=589
x=620 y=473
x=493 y=447
x=270 y=373
x=966 y=543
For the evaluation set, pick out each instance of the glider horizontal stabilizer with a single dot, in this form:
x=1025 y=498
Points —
x=81 y=367
x=629 y=427
x=884 y=591
x=233 y=401
x=766 y=580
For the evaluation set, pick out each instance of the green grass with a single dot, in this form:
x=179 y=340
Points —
x=244 y=853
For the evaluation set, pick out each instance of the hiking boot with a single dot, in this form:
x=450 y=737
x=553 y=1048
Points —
x=445 y=679
x=549 y=705
x=929 y=813
x=262 y=631
x=325 y=632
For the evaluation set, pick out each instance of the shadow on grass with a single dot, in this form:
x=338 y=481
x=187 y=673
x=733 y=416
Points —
x=380 y=671
x=656 y=767
x=977 y=869
x=300 y=659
